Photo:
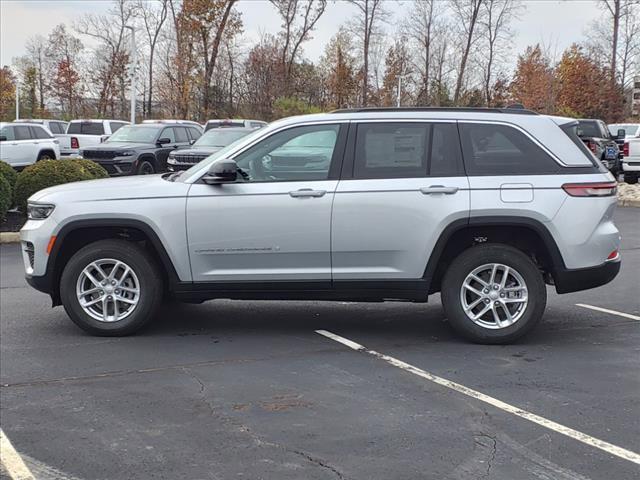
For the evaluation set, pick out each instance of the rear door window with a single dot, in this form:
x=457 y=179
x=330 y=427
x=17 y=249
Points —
x=181 y=134
x=391 y=150
x=39 y=133
x=492 y=149
x=194 y=132
x=55 y=127
x=22 y=133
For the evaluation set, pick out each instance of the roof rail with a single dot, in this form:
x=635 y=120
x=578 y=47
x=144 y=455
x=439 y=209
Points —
x=514 y=109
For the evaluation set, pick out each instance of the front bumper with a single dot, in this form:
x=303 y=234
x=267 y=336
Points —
x=119 y=166
x=575 y=280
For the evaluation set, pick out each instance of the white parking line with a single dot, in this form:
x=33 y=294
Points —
x=532 y=417
x=12 y=461
x=606 y=310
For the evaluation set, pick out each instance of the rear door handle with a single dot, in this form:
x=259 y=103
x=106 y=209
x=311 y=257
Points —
x=307 y=192
x=439 y=189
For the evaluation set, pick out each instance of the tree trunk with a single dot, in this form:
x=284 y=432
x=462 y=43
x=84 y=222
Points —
x=465 y=53
x=614 y=49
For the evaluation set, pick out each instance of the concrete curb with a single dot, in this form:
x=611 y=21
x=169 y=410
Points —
x=629 y=203
x=9 y=237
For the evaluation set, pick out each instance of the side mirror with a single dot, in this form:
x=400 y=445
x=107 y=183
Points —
x=621 y=133
x=224 y=171
x=3 y=138
x=164 y=141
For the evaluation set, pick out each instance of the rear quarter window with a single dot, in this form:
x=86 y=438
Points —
x=492 y=149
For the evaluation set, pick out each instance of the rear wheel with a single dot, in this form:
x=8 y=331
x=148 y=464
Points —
x=111 y=288
x=46 y=156
x=146 y=167
x=493 y=294
x=631 y=178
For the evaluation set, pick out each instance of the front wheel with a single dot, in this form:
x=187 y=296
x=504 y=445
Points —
x=493 y=294
x=111 y=288
x=146 y=168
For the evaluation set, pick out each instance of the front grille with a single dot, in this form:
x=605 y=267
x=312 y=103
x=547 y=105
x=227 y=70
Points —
x=109 y=168
x=191 y=159
x=30 y=251
x=99 y=154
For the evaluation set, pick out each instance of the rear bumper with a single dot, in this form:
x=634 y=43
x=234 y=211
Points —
x=575 y=280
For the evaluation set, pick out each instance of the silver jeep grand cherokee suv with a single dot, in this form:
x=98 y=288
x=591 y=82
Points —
x=485 y=206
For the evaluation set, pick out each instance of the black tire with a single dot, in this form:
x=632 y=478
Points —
x=476 y=257
x=631 y=178
x=146 y=167
x=46 y=155
x=146 y=271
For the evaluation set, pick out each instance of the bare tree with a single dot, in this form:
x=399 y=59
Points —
x=299 y=18
x=371 y=13
x=37 y=52
x=495 y=21
x=111 y=56
x=420 y=26
x=153 y=20
x=467 y=13
x=618 y=9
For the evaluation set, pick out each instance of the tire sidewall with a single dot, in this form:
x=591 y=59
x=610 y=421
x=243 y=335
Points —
x=148 y=278
x=141 y=167
x=480 y=255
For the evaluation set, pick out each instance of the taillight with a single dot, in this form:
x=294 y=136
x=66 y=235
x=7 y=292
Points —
x=75 y=143
x=600 y=189
x=625 y=149
x=593 y=146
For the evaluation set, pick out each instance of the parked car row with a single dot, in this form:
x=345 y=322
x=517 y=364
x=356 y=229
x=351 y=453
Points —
x=26 y=141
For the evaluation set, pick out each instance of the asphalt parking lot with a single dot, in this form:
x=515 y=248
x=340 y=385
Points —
x=251 y=390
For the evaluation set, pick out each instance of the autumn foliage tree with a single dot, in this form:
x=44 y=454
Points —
x=533 y=81
x=584 y=87
x=7 y=94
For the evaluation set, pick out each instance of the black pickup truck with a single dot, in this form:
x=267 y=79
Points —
x=595 y=134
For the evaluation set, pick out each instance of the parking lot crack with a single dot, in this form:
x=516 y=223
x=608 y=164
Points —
x=317 y=461
x=494 y=447
x=203 y=389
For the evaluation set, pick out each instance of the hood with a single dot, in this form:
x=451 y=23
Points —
x=196 y=151
x=121 y=188
x=118 y=146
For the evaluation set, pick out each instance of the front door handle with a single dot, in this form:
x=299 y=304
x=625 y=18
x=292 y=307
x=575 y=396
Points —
x=439 y=189
x=307 y=192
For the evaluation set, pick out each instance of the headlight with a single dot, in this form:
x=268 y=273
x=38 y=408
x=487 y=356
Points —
x=126 y=153
x=171 y=160
x=39 y=211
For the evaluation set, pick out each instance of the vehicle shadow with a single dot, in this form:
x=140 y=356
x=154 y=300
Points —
x=392 y=321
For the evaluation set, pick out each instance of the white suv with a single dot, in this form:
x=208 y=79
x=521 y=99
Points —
x=24 y=144
x=482 y=205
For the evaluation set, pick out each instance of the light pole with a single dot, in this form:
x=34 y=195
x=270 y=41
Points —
x=17 y=100
x=134 y=61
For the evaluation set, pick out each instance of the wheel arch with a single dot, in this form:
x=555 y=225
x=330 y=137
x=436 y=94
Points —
x=79 y=233
x=526 y=234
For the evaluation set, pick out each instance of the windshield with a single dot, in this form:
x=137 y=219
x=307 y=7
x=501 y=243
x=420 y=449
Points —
x=135 y=134
x=220 y=138
x=630 y=130
x=221 y=154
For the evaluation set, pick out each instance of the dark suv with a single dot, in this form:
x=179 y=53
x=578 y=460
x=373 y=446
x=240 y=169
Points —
x=141 y=149
x=212 y=141
x=595 y=134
